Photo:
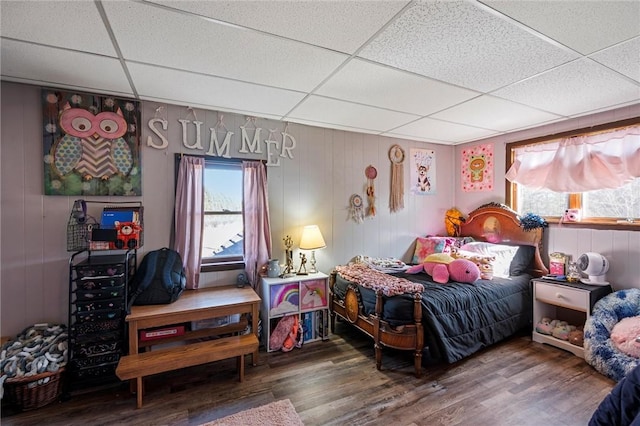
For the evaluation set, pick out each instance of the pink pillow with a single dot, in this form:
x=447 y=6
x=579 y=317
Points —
x=625 y=336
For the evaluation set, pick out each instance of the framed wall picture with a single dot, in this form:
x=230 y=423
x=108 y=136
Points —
x=91 y=144
x=477 y=168
x=423 y=171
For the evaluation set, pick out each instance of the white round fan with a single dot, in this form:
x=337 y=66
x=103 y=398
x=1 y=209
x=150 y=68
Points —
x=595 y=266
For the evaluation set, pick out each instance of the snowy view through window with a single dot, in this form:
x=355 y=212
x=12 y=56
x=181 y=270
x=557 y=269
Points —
x=223 y=225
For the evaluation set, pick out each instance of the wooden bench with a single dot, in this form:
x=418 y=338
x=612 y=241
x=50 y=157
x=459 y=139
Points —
x=137 y=366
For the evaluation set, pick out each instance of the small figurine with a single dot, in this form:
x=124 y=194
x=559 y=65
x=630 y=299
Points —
x=303 y=264
x=289 y=268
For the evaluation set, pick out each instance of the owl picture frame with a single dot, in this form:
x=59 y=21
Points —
x=91 y=144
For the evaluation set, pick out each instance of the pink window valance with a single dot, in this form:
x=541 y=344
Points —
x=583 y=163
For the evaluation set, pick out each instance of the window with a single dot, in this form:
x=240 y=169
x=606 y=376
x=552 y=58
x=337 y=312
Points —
x=611 y=207
x=223 y=232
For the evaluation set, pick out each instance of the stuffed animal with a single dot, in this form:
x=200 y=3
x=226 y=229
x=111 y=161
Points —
x=562 y=329
x=625 y=336
x=443 y=267
x=576 y=337
x=546 y=325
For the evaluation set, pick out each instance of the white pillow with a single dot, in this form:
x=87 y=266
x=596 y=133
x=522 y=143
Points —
x=503 y=254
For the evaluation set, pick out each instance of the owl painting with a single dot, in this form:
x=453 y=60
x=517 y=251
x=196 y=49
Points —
x=91 y=144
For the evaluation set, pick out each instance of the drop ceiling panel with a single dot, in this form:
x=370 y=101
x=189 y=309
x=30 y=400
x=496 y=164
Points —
x=495 y=114
x=367 y=83
x=463 y=44
x=585 y=26
x=218 y=93
x=436 y=130
x=156 y=36
x=572 y=89
x=71 y=24
x=331 y=111
x=339 y=25
x=51 y=66
x=624 y=58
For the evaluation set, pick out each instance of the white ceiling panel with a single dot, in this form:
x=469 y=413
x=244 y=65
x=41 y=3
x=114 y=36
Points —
x=154 y=35
x=436 y=130
x=495 y=114
x=153 y=82
x=326 y=110
x=367 y=83
x=463 y=44
x=447 y=72
x=33 y=63
x=585 y=26
x=71 y=24
x=573 y=89
x=624 y=58
x=343 y=26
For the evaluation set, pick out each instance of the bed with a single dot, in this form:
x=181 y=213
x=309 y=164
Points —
x=447 y=322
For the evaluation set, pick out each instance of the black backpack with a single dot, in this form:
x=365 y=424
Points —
x=159 y=280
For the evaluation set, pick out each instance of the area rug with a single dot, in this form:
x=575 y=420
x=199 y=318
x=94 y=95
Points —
x=281 y=413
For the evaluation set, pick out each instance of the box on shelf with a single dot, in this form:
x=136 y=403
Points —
x=215 y=322
x=161 y=333
x=557 y=263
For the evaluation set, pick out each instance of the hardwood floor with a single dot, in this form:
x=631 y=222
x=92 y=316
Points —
x=517 y=382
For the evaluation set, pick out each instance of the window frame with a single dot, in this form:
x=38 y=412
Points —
x=575 y=199
x=210 y=264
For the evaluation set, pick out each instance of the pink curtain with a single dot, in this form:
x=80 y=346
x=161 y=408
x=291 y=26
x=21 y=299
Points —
x=189 y=216
x=257 y=229
x=583 y=163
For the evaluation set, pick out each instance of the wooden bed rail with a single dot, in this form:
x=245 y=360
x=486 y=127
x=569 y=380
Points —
x=404 y=337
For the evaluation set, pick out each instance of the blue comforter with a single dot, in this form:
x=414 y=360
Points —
x=622 y=406
x=459 y=319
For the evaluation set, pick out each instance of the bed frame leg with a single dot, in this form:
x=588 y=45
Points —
x=378 y=350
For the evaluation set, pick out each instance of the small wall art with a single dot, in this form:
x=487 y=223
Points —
x=91 y=144
x=477 y=168
x=423 y=171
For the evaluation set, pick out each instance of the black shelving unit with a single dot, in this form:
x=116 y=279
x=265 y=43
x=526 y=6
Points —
x=98 y=284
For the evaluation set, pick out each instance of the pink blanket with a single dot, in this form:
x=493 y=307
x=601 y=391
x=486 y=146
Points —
x=370 y=278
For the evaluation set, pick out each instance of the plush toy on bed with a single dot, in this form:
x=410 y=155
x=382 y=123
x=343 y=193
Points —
x=626 y=336
x=443 y=267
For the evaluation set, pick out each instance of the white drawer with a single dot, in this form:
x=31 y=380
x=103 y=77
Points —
x=560 y=295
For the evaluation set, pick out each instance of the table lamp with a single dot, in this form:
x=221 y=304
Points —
x=311 y=240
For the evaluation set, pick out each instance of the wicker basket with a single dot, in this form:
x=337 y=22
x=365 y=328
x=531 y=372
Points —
x=30 y=392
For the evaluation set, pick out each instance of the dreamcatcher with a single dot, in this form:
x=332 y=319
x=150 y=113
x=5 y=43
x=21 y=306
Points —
x=355 y=208
x=396 y=198
x=371 y=173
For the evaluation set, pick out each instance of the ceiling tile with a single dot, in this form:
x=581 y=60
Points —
x=585 y=26
x=461 y=43
x=363 y=82
x=217 y=93
x=155 y=36
x=573 y=88
x=494 y=113
x=332 y=126
x=70 y=24
x=339 y=25
x=52 y=66
x=436 y=130
x=624 y=58
x=331 y=111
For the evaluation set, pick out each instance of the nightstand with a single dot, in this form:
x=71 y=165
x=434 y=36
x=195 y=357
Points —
x=571 y=302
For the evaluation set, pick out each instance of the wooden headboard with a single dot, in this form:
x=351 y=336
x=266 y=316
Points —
x=497 y=223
